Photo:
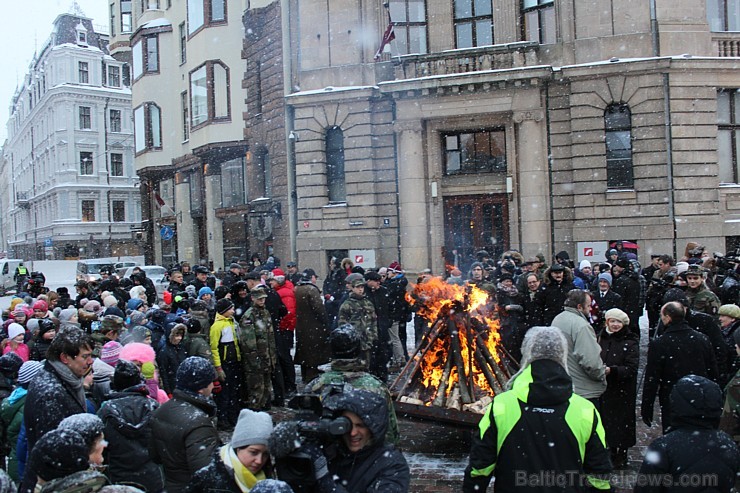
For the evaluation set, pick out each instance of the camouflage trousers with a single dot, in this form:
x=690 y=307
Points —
x=259 y=390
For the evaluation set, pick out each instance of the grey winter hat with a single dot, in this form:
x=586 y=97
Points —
x=544 y=343
x=271 y=486
x=252 y=428
x=89 y=426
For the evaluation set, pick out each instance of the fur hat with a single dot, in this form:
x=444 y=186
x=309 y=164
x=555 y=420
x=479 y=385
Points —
x=617 y=314
x=543 y=343
x=194 y=374
x=137 y=351
x=252 y=428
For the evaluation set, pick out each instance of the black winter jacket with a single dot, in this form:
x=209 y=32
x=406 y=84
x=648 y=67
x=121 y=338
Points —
x=217 y=478
x=693 y=448
x=127 y=419
x=680 y=351
x=378 y=467
x=621 y=353
x=169 y=359
x=49 y=401
x=184 y=437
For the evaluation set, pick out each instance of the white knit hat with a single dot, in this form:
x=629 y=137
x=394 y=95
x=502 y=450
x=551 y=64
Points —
x=14 y=330
x=252 y=428
x=584 y=263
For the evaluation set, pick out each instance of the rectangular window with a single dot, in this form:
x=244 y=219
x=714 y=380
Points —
x=118 y=211
x=618 y=139
x=147 y=127
x=479 y=152
x=233 y=190
x=116 y=164
x=183 y=44
x=473 y=23
x=86 y=163
x=410 y=25
x=83 y=72
x=185 y=118
x=146 y=56
x=125 y=16
x=88 y=211
x=85 y=118
x=115 y=120
x=114 y=76
x=196 y=16
x=539 y=21
x=205 y=13
x=209 y=94
x=728 y=135
x=112 y=15
x=723 y=15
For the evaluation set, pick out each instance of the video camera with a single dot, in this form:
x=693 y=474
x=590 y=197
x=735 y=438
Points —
x=727 y=262
x=314 y=425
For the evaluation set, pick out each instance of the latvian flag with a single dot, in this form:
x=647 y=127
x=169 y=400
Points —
x=388 y=36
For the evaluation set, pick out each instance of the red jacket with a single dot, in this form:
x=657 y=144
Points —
x=288 y=296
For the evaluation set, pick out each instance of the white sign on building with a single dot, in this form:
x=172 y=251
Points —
x=593 y=251
x=363 y=258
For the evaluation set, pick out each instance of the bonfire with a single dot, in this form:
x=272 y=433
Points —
x=460 y=363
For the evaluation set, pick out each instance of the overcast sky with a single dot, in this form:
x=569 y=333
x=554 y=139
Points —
x=23 y=30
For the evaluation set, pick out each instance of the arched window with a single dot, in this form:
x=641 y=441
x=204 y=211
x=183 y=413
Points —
x=335 y=165
x=618 y=129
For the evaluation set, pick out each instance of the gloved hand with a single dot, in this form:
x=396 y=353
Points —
x=147 y=371
x=220 y=375
x=318 y=459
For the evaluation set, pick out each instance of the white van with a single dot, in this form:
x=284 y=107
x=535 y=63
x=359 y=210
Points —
x=89 y=269
x=7 y=272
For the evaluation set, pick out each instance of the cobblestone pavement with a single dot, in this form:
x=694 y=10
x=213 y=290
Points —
x=437 y=453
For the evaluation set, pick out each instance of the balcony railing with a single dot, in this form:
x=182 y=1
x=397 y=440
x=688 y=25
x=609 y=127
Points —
x=727 y=43
x=21 y=199
x=494 y=57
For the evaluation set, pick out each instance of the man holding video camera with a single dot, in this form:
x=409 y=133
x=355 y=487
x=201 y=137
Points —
x=359 y=461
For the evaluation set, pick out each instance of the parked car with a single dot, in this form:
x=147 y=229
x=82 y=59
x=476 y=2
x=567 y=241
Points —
x=156 y=273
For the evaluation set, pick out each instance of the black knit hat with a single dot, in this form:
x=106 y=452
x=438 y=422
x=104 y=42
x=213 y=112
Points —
x=224 y=305
x=126 y=375
x=194 y=374
x=59 y=453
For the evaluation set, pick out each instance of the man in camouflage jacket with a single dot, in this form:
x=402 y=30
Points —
x=259 y=354
x=700 y=297
x=359 y=311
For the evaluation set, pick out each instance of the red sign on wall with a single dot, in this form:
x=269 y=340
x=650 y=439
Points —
x=588 y=252
x=359 y=259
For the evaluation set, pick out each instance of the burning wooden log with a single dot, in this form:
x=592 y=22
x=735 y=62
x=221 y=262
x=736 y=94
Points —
x=460 y=364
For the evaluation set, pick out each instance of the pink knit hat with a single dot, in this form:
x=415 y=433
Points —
x=111 y=352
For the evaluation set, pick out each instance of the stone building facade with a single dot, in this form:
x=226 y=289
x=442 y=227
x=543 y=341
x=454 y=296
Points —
x=200 y=201
x=68 y=160
x=535 y=125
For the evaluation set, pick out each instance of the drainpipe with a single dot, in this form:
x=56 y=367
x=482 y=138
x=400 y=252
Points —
x=549 y=168
x=667 y=123
x=289 y=128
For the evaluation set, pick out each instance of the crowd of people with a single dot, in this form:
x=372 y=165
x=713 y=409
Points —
x=149 y=386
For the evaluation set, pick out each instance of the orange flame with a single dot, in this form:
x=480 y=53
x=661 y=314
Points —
x=475 y=321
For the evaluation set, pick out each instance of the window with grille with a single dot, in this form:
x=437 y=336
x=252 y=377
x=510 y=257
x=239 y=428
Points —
x=86 y=163
x=410 y=25
x=115 y=120
x=116 y=164
x=618 y=134
x=83 y=71
x=473 y=23
x=88 y=211
x=118 y=211
x=728 y=134
x=335 y=177
x=85 y=114
x=538 y=21
x=475 y=152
